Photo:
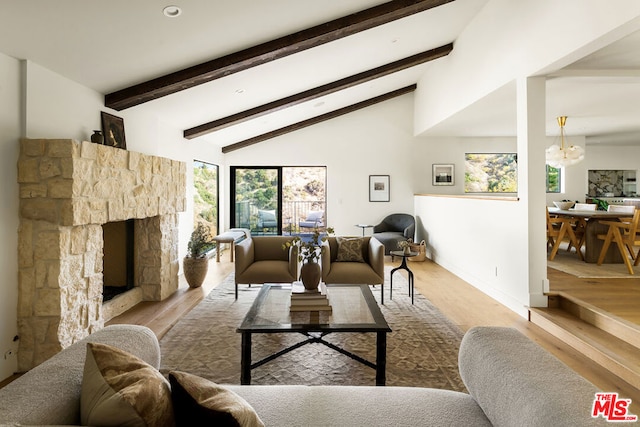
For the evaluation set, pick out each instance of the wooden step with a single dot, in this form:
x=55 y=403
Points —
x=615 y=325
x=614 y=354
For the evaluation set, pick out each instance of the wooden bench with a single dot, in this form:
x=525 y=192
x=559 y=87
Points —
x=233 y=236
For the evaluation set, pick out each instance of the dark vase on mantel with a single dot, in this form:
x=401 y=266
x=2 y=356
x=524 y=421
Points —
x=97 y=137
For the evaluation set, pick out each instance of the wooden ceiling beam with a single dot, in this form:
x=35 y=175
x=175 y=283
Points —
x=266 y=52
x=318 y=119
x=317 y=92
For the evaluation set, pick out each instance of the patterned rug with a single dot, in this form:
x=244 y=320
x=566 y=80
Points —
x=422 y=349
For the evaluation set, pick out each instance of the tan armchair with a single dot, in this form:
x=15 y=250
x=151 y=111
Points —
x=261 y=259
x=371 y=271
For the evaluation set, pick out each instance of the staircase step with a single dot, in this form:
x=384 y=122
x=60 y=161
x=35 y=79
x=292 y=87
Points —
x=616 y=326
x=616 y=355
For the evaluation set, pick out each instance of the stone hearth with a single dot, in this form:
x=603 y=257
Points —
x=68 y=190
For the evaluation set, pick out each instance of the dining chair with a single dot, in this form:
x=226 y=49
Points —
x=626 y=236
x=585 y=207
x=557 y=229
x=580 y=224
x=621 y=208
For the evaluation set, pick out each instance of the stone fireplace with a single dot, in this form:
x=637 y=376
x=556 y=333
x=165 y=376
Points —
x=68 y=191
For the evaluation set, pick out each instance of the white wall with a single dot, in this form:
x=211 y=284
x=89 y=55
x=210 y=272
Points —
x=617 y=158
x=57 y=107
x=477 y=240
x=10 y=105
x=377 y=140
x=451 y=151
x=510 y=39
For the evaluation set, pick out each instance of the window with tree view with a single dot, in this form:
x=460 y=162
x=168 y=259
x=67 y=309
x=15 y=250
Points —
x=205 y=197
x=553 y=179
x=491 y=173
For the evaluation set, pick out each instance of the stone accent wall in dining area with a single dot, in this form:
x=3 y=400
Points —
x=68 y=190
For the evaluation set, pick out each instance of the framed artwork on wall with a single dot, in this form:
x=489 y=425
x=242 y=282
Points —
x=443 y=174
x=378 y=188
x=113 y=131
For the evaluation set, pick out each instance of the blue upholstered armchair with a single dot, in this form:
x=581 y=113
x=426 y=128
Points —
x=314 y=219
x=267 y=219
x=393 y=229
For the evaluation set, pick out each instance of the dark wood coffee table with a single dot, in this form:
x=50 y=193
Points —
x=354 y=310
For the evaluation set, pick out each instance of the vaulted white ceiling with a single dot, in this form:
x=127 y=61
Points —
x=111 y=45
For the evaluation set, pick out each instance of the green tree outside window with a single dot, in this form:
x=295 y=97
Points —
x=553 y=179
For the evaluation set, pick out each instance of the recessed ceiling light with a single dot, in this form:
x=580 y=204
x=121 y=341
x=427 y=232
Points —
x=172 y=11
x=239 y=91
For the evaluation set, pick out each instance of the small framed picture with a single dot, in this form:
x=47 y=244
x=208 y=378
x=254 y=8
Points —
x=113 y=131
x=443 y=174
x=378 y=188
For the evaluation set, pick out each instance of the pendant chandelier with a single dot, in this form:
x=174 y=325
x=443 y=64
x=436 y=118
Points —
x=562 y=155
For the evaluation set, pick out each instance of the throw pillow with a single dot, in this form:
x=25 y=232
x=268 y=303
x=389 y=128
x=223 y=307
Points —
x=198 y=401
x=350 y=249
x=118 y=388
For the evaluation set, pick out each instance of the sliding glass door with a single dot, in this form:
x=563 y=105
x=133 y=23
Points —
x=303 y=199
x=278 y=199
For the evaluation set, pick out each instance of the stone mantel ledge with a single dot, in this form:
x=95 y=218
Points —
x=70 y=183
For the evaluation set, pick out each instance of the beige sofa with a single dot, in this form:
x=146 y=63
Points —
x=510 y=379
x=50 y=392
x=261 y=259
x=371 y=271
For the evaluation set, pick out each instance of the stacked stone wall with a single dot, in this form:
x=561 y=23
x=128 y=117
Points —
x=68 y=189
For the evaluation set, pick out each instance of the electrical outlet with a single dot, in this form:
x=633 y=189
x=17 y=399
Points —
x=13 y=349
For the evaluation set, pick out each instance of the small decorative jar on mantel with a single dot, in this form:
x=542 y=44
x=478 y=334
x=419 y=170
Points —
x=97 y=137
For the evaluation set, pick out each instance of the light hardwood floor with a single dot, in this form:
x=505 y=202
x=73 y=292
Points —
x=459 y=301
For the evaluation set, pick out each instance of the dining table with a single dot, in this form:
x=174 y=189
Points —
x=593 y=227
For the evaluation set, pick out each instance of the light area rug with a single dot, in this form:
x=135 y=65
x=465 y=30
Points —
x=570 y=263
x=422 y=349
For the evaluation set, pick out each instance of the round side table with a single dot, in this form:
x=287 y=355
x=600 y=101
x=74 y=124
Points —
x=364 y=227
x=403 y=266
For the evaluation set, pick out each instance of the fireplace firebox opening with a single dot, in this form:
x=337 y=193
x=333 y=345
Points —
x=118 y=258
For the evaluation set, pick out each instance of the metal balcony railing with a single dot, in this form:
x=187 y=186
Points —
x=247 y=216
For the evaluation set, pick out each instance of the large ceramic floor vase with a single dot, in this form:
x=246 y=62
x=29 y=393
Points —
x=310 y=274
x=195 y=270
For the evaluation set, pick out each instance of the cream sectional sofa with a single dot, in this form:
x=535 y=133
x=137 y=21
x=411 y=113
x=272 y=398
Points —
x=511 y=382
